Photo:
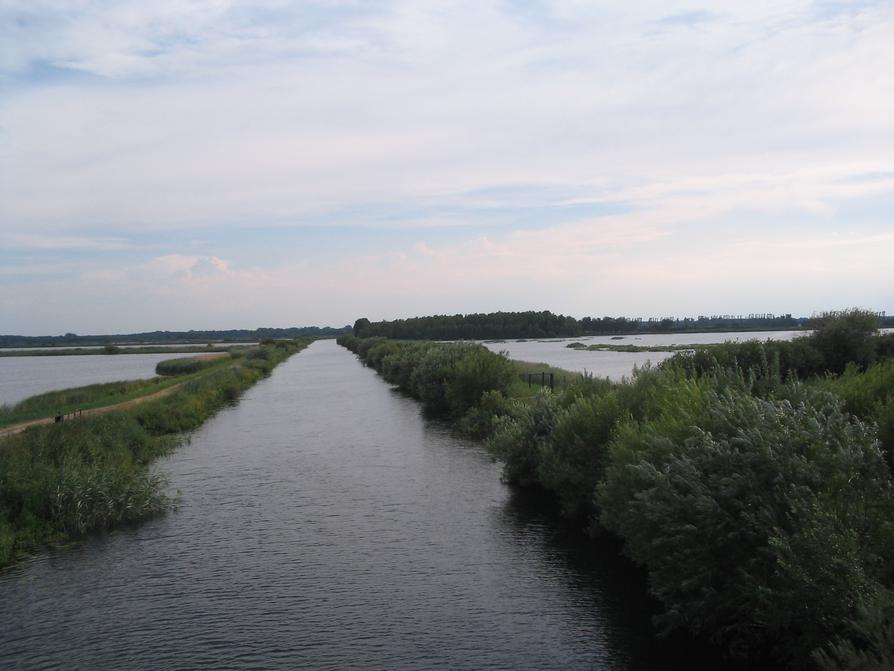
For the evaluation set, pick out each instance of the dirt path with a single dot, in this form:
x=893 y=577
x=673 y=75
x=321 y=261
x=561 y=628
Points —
x=13 y=429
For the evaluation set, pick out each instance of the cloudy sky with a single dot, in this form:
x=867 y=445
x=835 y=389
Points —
x=182 y=164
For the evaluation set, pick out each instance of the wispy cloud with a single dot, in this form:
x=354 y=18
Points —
x=556 y=137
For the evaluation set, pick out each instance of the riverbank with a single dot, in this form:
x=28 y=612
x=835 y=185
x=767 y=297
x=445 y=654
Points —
x=760 y=506
x=62 y=480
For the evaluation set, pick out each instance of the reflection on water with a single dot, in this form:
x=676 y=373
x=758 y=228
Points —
x=323 y=523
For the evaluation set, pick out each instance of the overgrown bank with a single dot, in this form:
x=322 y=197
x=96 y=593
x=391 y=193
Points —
x=759 y=503
x=63 y=480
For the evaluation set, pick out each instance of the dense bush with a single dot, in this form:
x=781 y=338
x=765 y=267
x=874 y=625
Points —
x=836 y=341
x=845 y=338
x=449 y=379
x=576 y=452
x=760 y=523
x=869 y=395
x=75 y=477
x=519 y=438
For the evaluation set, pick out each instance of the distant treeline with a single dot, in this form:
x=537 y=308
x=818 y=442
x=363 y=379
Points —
x=531 y=324
x=157 y=337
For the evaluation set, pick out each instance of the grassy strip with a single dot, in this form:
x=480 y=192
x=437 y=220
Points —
x=634 y=348
x=60 y=481
x=761 y=506
x=67 y=401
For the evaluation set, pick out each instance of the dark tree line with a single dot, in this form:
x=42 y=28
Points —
x=545 y=324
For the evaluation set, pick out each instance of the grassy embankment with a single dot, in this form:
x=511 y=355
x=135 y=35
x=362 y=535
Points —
x=70 y=401
x=634 y=348
x=750 y=480
x=60 y=481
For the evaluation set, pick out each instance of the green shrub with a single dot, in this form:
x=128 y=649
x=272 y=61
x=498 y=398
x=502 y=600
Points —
x=575 y=453
x=847 y=337
x=519 y=438
x=869 y=394
x=758 y=524
x=869 y=645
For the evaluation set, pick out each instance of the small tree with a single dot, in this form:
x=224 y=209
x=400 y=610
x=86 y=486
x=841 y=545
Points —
x=845 y=337
x=360 y=326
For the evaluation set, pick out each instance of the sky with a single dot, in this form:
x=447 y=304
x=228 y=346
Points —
x=202 y=164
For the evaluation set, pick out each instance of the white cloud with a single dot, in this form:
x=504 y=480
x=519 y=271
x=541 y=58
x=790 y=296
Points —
x=218 y=114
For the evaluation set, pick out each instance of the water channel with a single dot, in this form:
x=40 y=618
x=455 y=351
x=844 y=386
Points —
x=324 y=523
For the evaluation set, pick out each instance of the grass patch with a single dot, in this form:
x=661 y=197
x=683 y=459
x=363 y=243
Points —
x=521 y=387
x=66 y=401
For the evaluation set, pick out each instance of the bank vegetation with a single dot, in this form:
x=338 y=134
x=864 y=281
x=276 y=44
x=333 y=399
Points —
x=751 y=481
x=63 y=480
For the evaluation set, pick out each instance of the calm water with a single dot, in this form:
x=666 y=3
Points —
x=616 y=365
x=24 y=376
x=325 y=524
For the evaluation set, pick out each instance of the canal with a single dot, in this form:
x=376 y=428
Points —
x=323 y=522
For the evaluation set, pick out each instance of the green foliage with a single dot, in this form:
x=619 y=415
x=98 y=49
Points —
x=76 y=477
x=759 y=524
x=519 y=438
x=575 y=454
x=360 y=327
x=449 y=379
x=68 y=400
x=846 y=337
x=869 y=645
